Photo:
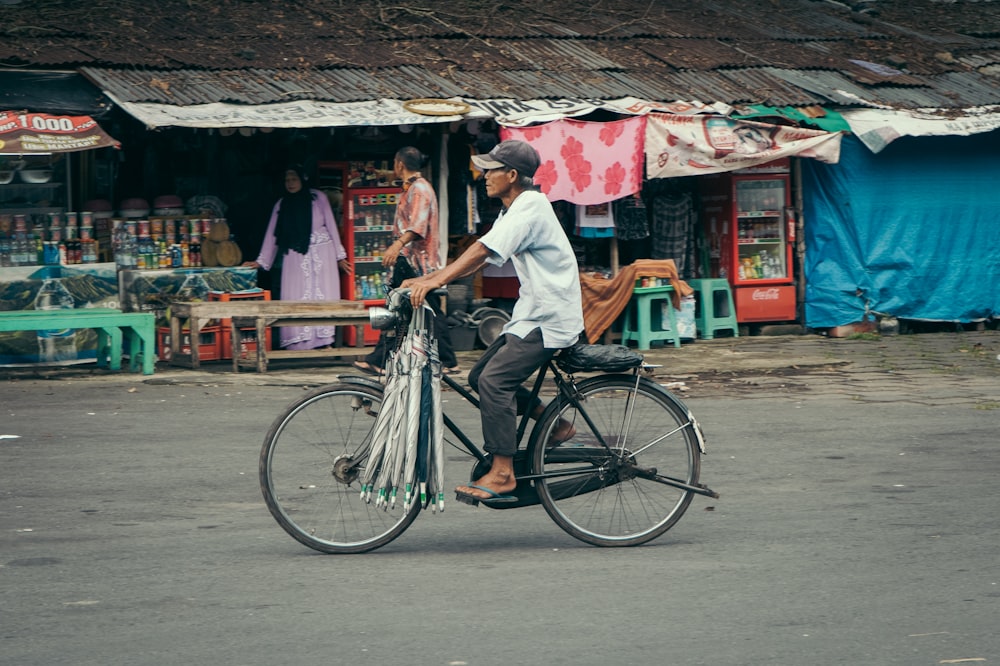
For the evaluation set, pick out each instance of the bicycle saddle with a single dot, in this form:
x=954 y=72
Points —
x=582 y=357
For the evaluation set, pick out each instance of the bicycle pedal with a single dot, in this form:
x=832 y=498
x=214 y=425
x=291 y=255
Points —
x=466 y=499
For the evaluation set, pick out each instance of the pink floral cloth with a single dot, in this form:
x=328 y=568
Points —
x=585 y=162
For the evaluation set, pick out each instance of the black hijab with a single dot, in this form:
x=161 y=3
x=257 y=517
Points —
x=294 y=226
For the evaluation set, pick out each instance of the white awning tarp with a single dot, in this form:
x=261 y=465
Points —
x=386 y=112
x=877 y=128
x=698 y=145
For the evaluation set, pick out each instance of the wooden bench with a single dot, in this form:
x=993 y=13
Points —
x=257 y=316
x=108 y=323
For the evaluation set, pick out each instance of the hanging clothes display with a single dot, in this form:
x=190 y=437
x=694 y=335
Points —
x=597 y=221
x=586 y=162
x=674 y=222
x=631 y=218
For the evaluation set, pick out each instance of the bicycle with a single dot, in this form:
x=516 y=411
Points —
x=625 y=478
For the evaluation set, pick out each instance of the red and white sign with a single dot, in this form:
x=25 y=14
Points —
x=765 y=303
x=24 y=133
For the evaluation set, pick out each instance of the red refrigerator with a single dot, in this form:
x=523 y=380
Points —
x=750 y=230
x=366 y=233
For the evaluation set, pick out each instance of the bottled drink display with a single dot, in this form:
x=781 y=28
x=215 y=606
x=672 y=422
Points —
x=52 y=239
x=156 y=244
x=759 y=230
x=372 y=215
x=72 y=238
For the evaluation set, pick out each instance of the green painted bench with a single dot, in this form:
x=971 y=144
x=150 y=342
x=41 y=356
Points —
x=109 y=324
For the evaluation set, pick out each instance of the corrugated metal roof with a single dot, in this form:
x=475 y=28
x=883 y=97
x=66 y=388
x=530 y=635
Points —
x=903 y=53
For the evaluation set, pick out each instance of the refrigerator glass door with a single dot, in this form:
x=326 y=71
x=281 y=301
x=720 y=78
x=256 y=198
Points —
x=760 y=230
x=372 y=212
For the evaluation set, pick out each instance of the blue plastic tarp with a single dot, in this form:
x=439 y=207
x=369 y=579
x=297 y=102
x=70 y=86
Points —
x=913 y=231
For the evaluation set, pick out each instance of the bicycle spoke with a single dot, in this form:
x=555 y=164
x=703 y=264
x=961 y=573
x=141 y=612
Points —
x=626 y=499
x=309 y=469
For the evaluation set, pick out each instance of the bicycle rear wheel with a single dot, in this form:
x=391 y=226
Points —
x=310 y=463
x=609 y=484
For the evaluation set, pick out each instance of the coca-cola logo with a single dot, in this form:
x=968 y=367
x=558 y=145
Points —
x=772 y=294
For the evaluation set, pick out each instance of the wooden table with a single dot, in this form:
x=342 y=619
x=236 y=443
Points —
x=258 y=315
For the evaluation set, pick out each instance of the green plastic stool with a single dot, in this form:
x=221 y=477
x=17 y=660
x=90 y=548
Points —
x=714 y=308
x=640 y=317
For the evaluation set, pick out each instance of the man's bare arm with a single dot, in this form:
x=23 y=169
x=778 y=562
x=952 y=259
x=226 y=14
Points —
x=467 y=264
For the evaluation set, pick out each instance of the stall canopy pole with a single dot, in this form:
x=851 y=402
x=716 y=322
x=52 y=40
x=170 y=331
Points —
x=442 y=189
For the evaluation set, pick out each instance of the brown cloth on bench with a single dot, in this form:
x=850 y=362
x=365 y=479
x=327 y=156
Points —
x=604 y=299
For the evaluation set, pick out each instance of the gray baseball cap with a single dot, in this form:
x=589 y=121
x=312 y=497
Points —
x=512 y=154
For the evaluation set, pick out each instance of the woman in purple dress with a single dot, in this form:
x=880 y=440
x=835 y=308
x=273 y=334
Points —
x=303 y=233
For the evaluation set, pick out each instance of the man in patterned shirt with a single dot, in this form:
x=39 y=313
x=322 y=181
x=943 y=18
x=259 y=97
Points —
x=418 y=235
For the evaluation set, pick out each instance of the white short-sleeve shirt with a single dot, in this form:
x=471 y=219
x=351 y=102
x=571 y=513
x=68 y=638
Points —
x=529 y=234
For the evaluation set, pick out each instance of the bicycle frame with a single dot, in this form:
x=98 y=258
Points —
x=566 y=392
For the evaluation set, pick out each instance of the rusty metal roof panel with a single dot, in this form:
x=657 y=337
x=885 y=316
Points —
x=791 y=22
x=945 y=91
x=969 y=89
x=746 y=85
x=557 y=54
x=979 y=59
x=829 y=86
x=531 y=84
x=187 y=87
x=898 y=52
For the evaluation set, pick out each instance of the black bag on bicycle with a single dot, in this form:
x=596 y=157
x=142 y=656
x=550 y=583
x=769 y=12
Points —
x=582 y=357
x=401 y=270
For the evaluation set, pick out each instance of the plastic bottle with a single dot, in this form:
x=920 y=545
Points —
x=55 y=345
x=194 y=288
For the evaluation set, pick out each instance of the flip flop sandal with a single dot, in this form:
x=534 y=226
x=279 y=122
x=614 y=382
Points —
x=368 y=369
x=494 y=497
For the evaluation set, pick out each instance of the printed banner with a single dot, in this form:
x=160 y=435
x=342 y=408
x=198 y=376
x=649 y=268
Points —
x=877 y=128
x=24 y=133
x=307 y=113
x=287 y=114
x=520 y=113
x=697 y=145
x=586 y=163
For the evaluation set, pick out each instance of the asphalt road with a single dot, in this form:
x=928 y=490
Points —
x=132 y=531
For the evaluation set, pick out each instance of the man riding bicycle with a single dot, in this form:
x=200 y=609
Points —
x=547 y=317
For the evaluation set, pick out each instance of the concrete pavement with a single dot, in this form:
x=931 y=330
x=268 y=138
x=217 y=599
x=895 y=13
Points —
x=944 y=368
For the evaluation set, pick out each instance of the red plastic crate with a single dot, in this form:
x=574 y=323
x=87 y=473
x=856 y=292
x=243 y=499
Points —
x=209 y=347
x=248 y=295
x=248 y=344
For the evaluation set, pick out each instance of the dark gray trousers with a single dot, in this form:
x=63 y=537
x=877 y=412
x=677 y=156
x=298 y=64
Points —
x=498 y=377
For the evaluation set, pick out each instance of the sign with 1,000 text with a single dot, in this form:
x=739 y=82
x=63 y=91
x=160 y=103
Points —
x=23 y=133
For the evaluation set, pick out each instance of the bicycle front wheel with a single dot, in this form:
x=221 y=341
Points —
x=611 y=483
x=310 y=466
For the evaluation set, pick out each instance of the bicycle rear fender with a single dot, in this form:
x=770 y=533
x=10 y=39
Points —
x=363 y=381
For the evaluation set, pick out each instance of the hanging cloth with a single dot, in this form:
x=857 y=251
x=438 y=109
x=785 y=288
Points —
x=674 y=220
x=605 y=299
x=586 y=162
x=631 y=218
